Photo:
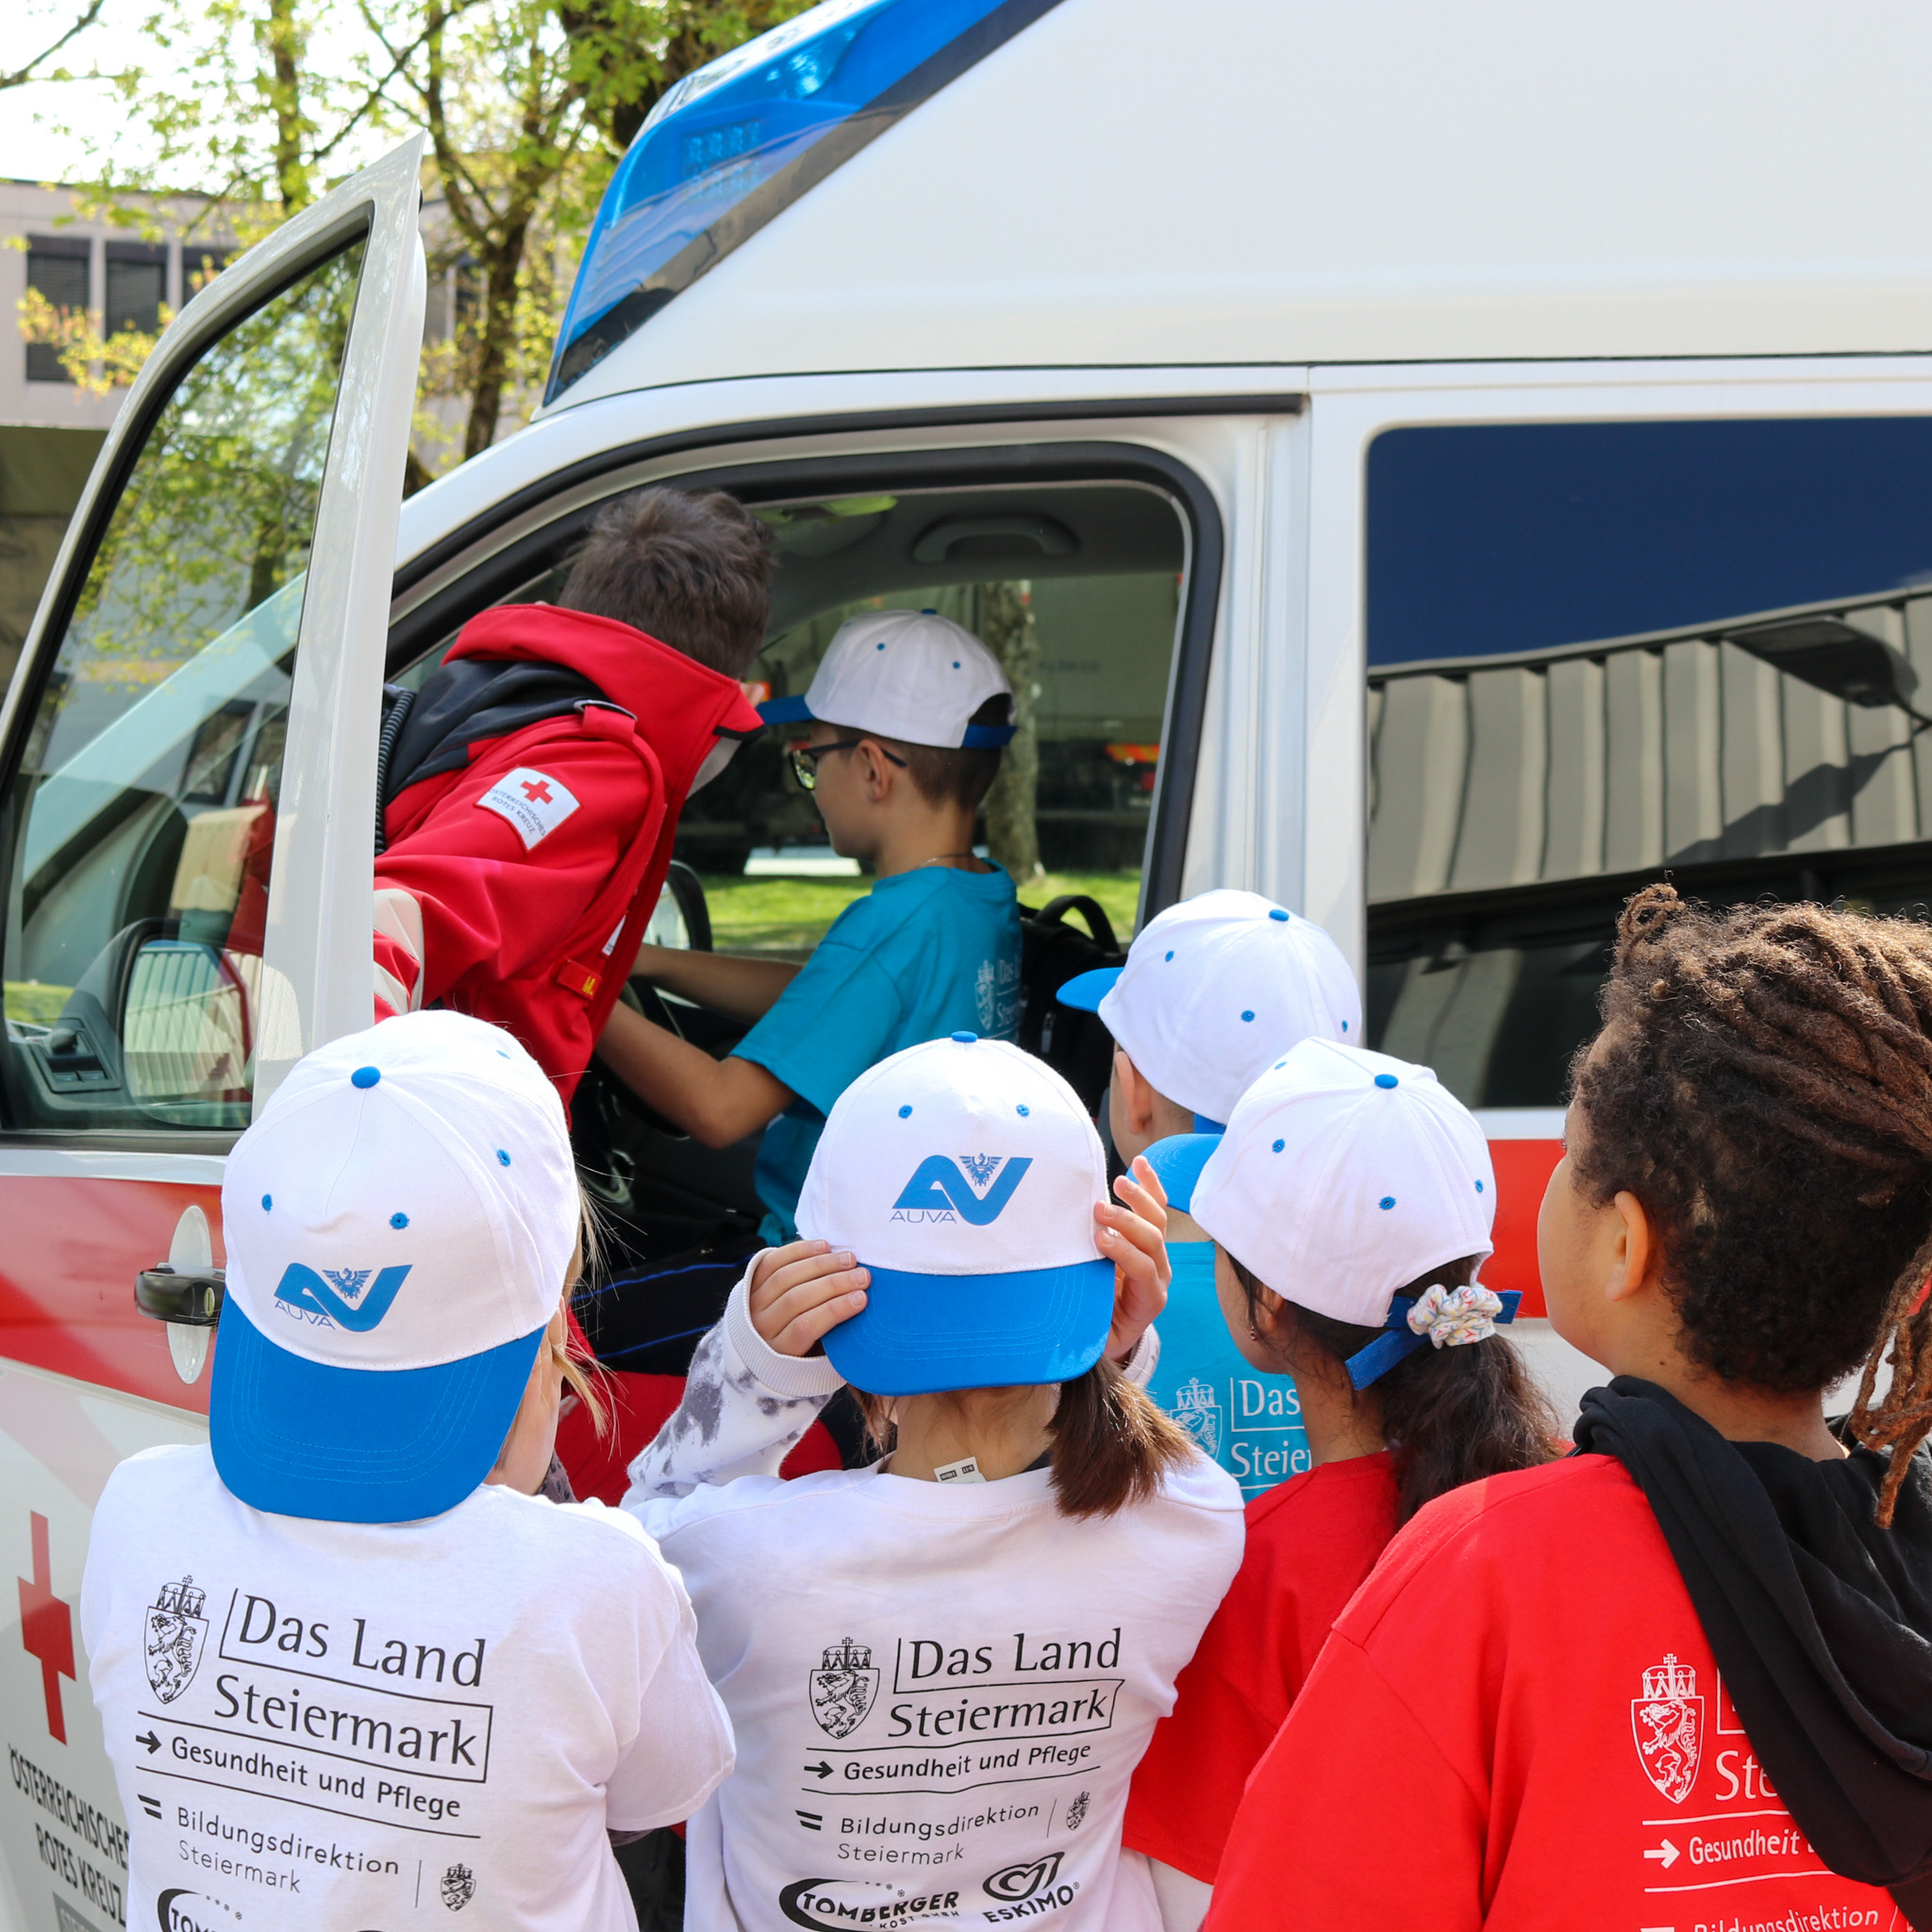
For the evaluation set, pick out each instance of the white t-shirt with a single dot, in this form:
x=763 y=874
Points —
x=338 y=1726
x=940 y=1690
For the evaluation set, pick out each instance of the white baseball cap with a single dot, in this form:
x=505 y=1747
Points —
x=909 y=675
x=399 y=1223
x=1216 y=987
x=963 y=1174
x=1344 y=1175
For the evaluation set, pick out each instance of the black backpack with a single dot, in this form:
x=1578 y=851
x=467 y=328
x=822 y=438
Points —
x=1075 y=1044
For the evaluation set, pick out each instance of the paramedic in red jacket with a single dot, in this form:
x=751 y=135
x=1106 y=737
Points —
x=533 y=788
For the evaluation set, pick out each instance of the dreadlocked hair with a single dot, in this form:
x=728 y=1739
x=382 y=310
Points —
x=1763 y=1086
x=1450 y=1416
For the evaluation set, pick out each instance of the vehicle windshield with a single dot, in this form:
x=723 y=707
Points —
x=731 y=145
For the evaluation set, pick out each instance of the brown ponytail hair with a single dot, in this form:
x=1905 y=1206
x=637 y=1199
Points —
x=1112 y=1446
x=1450 y=1416
x=1763 y=1086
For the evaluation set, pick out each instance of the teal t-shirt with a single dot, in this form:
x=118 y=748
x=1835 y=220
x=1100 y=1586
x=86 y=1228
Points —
x=924 y=953
x=1248 y=1421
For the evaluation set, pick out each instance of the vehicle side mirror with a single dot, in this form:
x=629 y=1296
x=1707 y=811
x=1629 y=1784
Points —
x=187 y=1033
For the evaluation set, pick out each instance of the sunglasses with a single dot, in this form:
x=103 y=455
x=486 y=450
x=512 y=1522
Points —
x=805 y=759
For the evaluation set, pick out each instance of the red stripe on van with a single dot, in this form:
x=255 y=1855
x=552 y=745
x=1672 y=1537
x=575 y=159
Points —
x=1523 y=1171
x=73 y=1249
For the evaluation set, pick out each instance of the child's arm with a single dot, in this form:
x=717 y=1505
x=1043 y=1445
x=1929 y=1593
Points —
x=753 y=1388
x=739 y=989
x=717 y=1102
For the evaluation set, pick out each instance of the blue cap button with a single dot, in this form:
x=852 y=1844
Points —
x=966 y=1038
x=1386 y=1080
x=365 y=1076
x=1276 y=912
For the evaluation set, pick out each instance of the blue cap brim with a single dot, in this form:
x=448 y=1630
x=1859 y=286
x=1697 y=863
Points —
x=1086 y=991
x=784 y=711
x=299 y=1438
x=1177 y=1162
x=919 y=1334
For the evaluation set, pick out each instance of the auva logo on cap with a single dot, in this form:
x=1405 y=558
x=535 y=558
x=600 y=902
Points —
x=339 y=1301
x=942 y=1189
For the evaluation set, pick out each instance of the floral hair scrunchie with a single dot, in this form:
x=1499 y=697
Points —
x=1451 y=1316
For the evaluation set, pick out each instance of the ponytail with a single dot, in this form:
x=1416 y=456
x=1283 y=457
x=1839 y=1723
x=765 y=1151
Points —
x=1112 y=1446
x=1450 y=1416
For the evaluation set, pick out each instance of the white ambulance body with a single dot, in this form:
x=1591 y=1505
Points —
x=1451 y=449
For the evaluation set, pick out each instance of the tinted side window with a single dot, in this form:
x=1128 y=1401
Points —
x=1599 y=652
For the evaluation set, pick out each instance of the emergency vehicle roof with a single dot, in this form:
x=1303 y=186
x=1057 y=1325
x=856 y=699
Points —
x=1125 y=182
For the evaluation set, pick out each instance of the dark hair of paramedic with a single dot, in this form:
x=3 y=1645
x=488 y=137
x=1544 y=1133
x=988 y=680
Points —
x=1712 y=1623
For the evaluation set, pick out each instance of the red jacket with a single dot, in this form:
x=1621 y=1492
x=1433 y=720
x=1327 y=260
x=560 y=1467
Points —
x=517 y=888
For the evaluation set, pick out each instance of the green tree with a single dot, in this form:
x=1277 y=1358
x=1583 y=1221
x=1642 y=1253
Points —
x=256 y=105
x=37 y=67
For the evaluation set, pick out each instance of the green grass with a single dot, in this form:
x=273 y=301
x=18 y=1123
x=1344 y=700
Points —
x=784 y=919
x=28 y=999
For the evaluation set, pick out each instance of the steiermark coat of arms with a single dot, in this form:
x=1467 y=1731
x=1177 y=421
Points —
x=842 y=1689
x=1198 y=1412
x=1668 y=1725
x=173 y=1643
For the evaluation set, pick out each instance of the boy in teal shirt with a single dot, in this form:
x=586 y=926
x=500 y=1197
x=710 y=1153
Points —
x=907 y=717
x=1214 y=991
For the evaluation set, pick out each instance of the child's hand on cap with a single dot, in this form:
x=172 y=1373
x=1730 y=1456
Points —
x=1133 y=1238
x=800 y=1290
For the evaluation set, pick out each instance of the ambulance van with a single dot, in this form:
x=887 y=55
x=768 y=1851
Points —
x=1435 y=465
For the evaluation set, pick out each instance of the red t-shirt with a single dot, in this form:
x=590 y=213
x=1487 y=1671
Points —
x=1518 y=1724
x=1311 y=1541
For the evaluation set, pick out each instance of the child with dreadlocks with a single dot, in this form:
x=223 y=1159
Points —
x=1683 y=1676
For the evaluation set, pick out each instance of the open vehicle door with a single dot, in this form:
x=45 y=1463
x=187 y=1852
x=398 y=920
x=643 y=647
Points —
x=185 y=831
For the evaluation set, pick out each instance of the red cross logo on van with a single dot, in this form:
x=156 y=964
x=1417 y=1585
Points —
x=537 y=792
x=47 y=1629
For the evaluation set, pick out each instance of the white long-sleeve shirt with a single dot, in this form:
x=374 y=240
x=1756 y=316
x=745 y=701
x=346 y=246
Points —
x=940 y=1692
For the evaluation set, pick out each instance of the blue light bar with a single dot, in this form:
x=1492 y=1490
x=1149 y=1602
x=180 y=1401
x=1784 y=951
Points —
x=738 y=142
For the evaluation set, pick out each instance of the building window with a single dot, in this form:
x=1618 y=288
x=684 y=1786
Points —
x=137 y=287
x=56 y=268
x=200 y=265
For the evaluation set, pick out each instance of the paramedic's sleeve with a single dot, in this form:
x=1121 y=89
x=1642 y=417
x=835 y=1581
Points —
x=745 y=1407
x=462 y=890
x=1354 y=1817
x=840 y=1016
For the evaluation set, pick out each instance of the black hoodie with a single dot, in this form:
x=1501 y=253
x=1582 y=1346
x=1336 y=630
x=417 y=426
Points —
x=1821 y=1621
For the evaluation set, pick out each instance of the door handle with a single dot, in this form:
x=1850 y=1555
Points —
x=171 y=1294
x=186 y=1291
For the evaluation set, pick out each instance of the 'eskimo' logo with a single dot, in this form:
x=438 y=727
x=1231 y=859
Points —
x=1022 y=1881
x=842 y=1689
x=172 y=1643
x=976 y=1187
x=345 y=1299
x=1667 y=1722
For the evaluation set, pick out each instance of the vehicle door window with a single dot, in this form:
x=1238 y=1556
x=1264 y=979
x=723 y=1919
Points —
x=141 y=815
x=1602 y=651
x=1075 y=589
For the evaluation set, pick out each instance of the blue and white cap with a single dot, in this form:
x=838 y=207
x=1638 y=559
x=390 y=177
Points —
x=399 y=1223
x=1216 y=987
x=1345 y=1176
x=907 y=675
x=963 y=1174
